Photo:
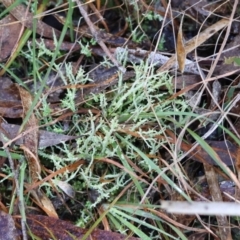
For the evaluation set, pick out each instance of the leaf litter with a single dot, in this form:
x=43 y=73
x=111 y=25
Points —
x=20 y=118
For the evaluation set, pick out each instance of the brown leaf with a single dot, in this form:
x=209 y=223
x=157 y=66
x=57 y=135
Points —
x=44 y=202
x=46 y=139
x=30 y=148
x=9 y=34
x=43 y=226
x=225 y=150
x=10 y=101
x=181 y=53
x=8 y=230
x=30 y=140
x=196 y=41
x=26 y=18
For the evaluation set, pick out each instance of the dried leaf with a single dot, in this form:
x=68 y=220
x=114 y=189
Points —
x=8 y=230
x=225 y=149
x=43 y=226
x=10 y=101
x=30 y=148
x=44 y=203
x=26 y=18
x=181 y=53
x=30 y=140
x=46 y=139
x=9 y=34
x=65 y=187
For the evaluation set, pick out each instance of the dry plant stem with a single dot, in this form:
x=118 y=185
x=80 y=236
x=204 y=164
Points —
x=96 y=37
x=173 y=222
x=163 y=23
x=223 y=224
x=30 y=148
x=15 y=176
x=206 y=226
x=100 y=17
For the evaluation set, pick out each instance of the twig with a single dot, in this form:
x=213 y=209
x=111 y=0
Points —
x=96 y=36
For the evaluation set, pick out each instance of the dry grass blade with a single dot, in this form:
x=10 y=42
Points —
x=46 y=138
